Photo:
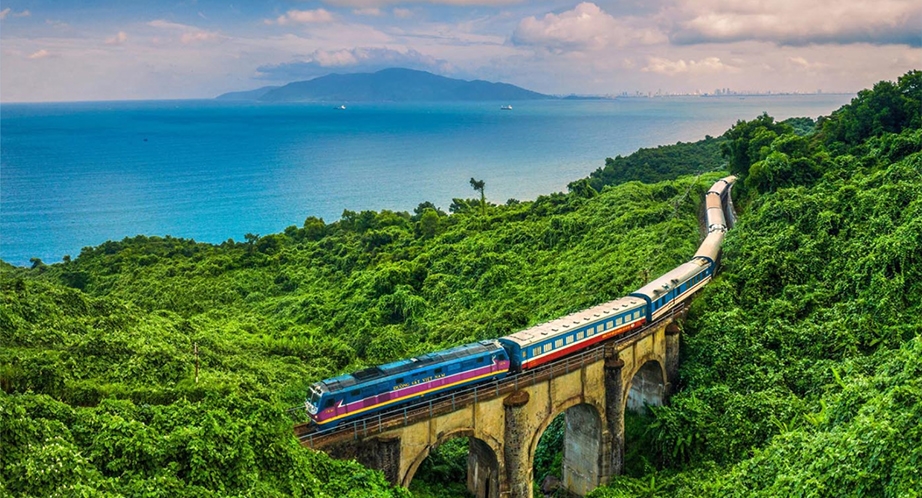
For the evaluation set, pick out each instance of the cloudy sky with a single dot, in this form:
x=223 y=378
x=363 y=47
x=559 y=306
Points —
x=133 y=49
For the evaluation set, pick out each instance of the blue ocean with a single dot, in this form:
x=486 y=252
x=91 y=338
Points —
x=78 y=174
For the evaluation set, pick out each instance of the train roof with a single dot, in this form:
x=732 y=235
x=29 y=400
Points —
x=403 y=366
x=711 y=245
x=669 y=280
x=721 y=185
x=561 y=326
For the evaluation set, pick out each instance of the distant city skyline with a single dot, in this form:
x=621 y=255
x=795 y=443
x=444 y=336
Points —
x=69 y=50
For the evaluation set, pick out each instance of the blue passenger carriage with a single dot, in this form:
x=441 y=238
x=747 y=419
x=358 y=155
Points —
x=340 y=398
x=664 y=293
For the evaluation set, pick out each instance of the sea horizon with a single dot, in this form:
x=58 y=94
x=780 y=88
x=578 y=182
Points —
x=554 y=96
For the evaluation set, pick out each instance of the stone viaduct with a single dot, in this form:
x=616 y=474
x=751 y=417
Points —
x=504 y=420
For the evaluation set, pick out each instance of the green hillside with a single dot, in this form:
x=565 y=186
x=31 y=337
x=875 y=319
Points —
x=802 y=365
x=98 y=353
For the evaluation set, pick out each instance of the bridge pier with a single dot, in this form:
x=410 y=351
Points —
x=614 y=407
x=673 y=334
x=581 y=450
x=382 y=453
x=516 y=447
x=482 y=470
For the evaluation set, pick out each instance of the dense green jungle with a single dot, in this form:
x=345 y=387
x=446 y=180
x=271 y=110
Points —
x=158 y=366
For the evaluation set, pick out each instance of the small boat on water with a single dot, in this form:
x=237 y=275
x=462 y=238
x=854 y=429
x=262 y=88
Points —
x=341 y=108
x=505 y=108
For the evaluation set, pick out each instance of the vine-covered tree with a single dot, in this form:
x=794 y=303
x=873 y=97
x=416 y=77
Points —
x=479 y=186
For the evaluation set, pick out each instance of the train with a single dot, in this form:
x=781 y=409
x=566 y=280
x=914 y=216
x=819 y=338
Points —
x=346 y=397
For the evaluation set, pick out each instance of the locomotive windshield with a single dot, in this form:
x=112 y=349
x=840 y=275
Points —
x=313 y=400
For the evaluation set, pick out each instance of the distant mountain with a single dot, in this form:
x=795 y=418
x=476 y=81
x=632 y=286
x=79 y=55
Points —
x=246 y=95
x=392 y=85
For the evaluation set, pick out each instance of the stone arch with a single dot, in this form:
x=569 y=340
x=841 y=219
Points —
x=485 y=448
x=424 y=454
x=583 y=451
x=647 y=385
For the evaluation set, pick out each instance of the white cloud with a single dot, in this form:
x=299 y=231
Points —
x=359 y=59
x=189 y=34
x=585 y=28
x=793 y=22
x=576 y=48
x=5 y=12
x=403 y=13
x=162 y=24
x=797 y=63
x=368 y=11
x=305 y=17
x=117 y=39
x=198 y=36
x=708 y=65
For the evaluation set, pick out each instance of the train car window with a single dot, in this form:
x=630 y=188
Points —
x=480 y=360
x=355 y=393
x=558 y=343
x=536 y=351
x=328 y=403
x=438 y=370
x=581 y=335
x=609 y=325
x=547 y=347
x=399 y=381
x=570 y=339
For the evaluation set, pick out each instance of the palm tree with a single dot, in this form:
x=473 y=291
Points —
x=479 y=185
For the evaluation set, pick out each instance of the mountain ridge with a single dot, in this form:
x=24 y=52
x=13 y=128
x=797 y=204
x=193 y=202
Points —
x=387 y=85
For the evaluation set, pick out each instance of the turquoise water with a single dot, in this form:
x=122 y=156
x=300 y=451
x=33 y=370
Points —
x=78 y=174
